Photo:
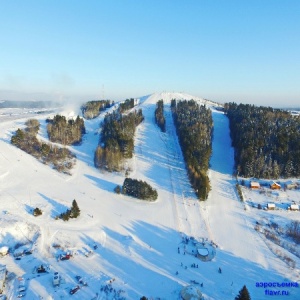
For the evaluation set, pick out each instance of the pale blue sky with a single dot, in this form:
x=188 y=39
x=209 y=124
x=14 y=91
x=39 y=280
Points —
x=242 y=51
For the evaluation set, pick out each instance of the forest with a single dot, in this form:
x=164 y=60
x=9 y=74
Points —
x=126 y=105
x=194 y=127
x=66 y=132
x=266 y=141
x=61 y=158
x=92 y=109
x=117 y=139
x=159 y=115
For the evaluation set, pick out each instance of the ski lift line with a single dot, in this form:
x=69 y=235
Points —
x=175 y=147
x=175 y=209
x=206 y=222
x=23 y=233
x=174 y=205
x=5 y=157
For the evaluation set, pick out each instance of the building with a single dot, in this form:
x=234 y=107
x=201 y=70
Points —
x=4 y=250
x=275 y=186
x=271 y=206
x=254 y=185
x=294 y=207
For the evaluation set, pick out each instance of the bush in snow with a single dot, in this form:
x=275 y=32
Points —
x=37 y=212
x=293 y=230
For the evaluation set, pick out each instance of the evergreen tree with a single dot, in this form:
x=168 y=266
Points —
x=243 y=294
x=75 y=211
x=37 y=212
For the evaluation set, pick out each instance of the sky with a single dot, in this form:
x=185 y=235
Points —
x=225 y=51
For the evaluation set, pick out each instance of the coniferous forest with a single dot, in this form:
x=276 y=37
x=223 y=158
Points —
x=159 y=115
x=66 y=132
x=61 y=158
x=92 y=109
x=266 y=141
x=117 y=139
x=194 y=128
x=126 y=105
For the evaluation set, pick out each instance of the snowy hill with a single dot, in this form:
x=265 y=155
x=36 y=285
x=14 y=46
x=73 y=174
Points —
x=126 y=248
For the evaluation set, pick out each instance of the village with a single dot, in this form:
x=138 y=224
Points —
x=280 y=195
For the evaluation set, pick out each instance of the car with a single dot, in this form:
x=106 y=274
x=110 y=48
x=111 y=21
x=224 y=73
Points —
x=21 y=294
x=75 y=289
x=21 y=289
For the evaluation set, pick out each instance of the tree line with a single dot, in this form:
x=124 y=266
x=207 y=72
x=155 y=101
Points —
x=126 y=105
x=66 y=132
x=117 y=139
x=138 y=189
x=194 y=127
x=266 y=141
x=92 y=109
x=159 y=115
x=62 y=159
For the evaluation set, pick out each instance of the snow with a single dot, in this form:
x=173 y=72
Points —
x=136 y=241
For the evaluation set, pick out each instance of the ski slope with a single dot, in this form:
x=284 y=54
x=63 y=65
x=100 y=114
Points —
x=136 y=241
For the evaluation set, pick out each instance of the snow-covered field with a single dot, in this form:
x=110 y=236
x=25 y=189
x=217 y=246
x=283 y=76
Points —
x=125 y=248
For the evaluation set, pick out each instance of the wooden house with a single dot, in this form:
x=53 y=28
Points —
x=275 y=186
x=294 y=207
x=271 y=206
x=254 y=185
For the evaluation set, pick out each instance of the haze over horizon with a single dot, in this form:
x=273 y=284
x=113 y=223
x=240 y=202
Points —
x=237 y=51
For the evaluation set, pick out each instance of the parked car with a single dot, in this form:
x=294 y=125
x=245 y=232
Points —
x=21 y=289
x=75 y=289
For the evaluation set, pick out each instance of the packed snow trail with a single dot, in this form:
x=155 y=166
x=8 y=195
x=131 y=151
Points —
x=225 y=212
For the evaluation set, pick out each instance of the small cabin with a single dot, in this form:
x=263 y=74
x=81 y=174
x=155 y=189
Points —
x=270 y=206
x=254 y=185
x=4 y=250
x=275 y=186
x=294 y=207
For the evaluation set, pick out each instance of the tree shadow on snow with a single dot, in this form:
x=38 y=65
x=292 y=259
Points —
x=58 y=208
x=101 y=183
x=222 y=159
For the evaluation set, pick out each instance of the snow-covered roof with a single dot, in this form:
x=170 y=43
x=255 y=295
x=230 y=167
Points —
x=4 y=250
x=254 y=184
x=202 y=251
x=191 y=292
x=294 y=206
